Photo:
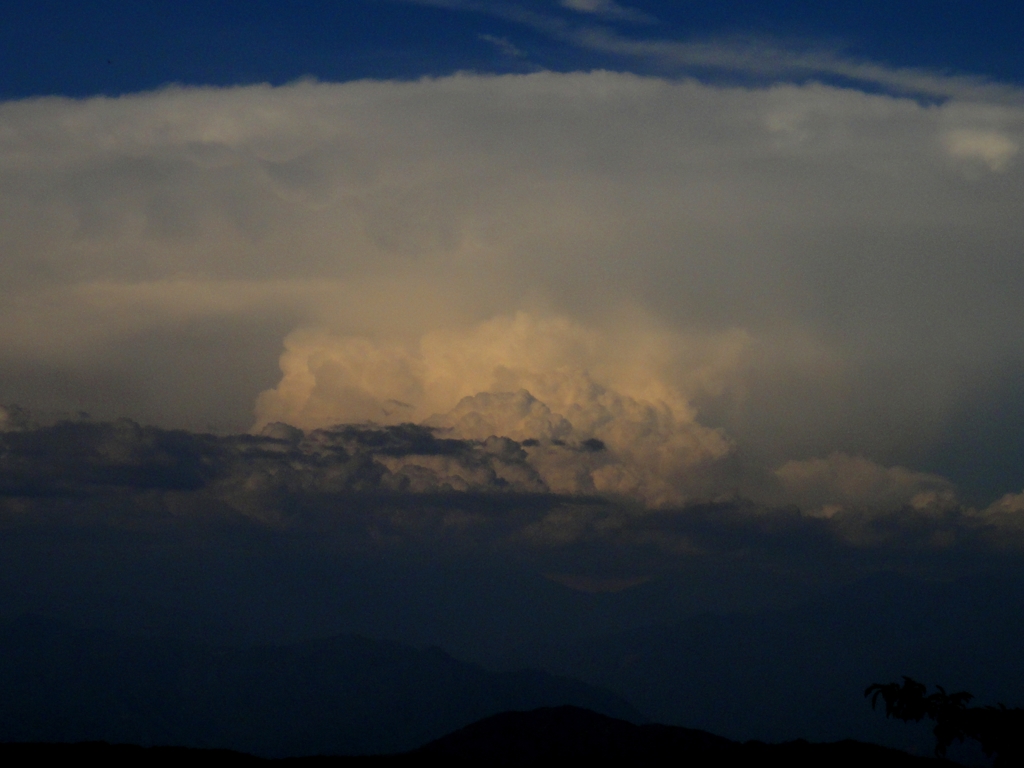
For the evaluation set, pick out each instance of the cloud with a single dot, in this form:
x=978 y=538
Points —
x=594 y=585
x=710 y=281
x=408 y=491
x=750 y=57
x=548 y=381
x=826 y=486
x=609 y=9
x=384 y=490
x=404 y=531
x=989 y=147
x=1005 y=514
x=503 y=45
x=764 y=59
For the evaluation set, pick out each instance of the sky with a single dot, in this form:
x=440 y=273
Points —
x=120 y=47
x=598 y=289
x=791 y=232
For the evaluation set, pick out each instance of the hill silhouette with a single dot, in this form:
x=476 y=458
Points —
x=797 y=672
x=339 y=695
x=554 y=735
x=541 y=737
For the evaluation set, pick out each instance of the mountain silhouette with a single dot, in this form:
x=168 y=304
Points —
x=563 y=733
x=798 y=672
x=556 y=735
x=338 y=695
x=541 y=737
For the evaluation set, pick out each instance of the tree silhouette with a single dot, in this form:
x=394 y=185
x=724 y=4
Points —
x=999 y=730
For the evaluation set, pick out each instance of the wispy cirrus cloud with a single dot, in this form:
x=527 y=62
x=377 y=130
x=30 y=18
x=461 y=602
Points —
x=609 y=9
x=504 y=46
x=758 y=58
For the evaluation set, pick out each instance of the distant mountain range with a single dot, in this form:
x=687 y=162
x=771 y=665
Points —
x=774 y=676
x=340 y=695
x=799 y=672
x=564 y=735
x=547 y=736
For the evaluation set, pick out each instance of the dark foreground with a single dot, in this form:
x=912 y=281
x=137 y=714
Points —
x=554 y=735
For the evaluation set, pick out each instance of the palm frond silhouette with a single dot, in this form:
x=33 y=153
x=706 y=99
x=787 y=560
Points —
x=999 y=730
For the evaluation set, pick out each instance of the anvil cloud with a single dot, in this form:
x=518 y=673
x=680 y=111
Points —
x=663 y=290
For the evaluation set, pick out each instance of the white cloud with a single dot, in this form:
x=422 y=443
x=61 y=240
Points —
x=775 y=265
x=767 y=60
x=746 y=56
x=504 y=46
x=1006 y=514
x=839 y=482
x=541 y=379
x=992 y=148
x=609 y=9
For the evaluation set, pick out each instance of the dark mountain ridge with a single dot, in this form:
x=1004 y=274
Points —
x=559 y=734
x=799 y=672
x=545 y=736
x=337 y=695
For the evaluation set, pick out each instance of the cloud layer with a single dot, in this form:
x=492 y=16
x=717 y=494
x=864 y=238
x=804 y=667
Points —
x=725 y=288
x=599 y=414
x=405 y=490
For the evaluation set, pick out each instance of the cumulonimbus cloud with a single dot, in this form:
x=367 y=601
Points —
x=546 y=382
x=708 y=281
x=387 y=490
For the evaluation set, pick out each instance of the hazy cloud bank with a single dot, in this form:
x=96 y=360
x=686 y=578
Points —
x=750 y=58
x=404 y=532
x=385 y=491
x=785 y=293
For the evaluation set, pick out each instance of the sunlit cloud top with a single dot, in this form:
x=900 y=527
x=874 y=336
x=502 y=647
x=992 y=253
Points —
x=675 y=254
x=711 y=281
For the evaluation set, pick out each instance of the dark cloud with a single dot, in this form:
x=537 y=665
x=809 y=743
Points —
x=402 y=532
x=399 y=440
x=775 y=265
x=81 y=458
x=409 y=488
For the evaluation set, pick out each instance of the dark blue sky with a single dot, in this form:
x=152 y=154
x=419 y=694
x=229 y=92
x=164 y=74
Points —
x=116 y=46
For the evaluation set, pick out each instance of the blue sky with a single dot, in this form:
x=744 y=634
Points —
x=115 y=46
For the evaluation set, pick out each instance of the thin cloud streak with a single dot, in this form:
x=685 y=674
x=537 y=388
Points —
x=758 y=58
x=609 y=9
x=386 y=490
